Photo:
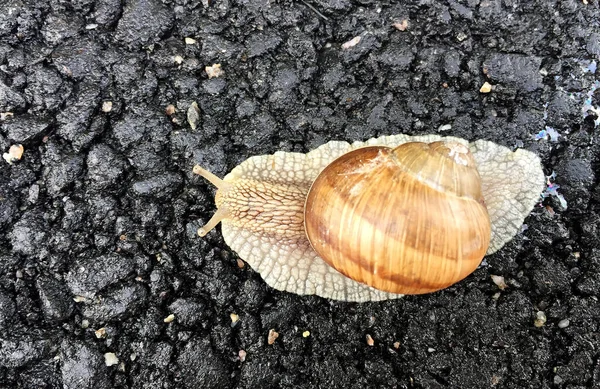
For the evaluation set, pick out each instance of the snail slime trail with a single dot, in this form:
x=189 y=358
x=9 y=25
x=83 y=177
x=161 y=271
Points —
x=374 y=220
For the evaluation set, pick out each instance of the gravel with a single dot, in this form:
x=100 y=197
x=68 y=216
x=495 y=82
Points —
x=98 y=218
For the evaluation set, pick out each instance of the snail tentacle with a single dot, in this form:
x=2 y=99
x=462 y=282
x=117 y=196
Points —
x=222 y=212
x=219 y=215
x=216 y=181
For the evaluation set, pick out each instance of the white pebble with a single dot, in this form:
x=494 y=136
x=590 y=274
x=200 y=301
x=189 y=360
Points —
x=564 y=323
x=110 y=359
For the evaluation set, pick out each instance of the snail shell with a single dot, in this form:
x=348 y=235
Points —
x=406 y=220
x=261 y=205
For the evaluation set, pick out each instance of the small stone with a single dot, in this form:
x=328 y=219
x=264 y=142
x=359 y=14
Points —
x=79 y=299
x=444 y=127
x=540 y=319
x=401 y=26
x=193 y=115
x=242 y=355
x=214 y=71
x=306 y=334
x=107 y=106
x=240 y=263
x=190 y=41
x=351 y=43
x=430 y=350
x=461 y=36
x=234 y=318
x=370 y=340
x=169 y=318
x=110 y=359
x=558 y=380
x=100 y=333
x=499 y=281
x=396 y=345
x=170 y=110
x=486 y=87
x=178 y=59
x=14 y=154
x=273 y=335
x=564 y=323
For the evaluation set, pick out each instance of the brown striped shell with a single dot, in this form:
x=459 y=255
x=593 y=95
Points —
x=408 y=220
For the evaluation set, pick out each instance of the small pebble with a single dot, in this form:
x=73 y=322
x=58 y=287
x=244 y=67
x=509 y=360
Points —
x=430 y=350
x=486 y=87
x=169 y=318
x=351 y=43
x=234 y=318
x=110 y=359
x=273 y=335
x=402 y=26
x=107 y=106
x=193 y=115
x=557 y=380
x=242 y=355
x=170 y=110
x=15 y=152
x=214 y=71
x=306 y=334
x=564 y=323
x=190 y=41
x=540 y=319
x=370 y=340
x=100 y=333
x=499 y=281
x=396 y=345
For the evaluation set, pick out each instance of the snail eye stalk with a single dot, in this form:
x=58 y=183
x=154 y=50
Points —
x=222 y=212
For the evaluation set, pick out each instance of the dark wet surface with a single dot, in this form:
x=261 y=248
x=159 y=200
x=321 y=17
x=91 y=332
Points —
x=103 y=208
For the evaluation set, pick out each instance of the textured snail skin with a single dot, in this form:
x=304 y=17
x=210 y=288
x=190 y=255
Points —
x=260 y=204
x=418 y=208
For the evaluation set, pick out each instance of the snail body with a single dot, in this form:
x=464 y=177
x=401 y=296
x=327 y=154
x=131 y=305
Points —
x=378 y=219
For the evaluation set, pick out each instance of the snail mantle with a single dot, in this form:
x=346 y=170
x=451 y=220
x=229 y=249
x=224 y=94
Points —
x=375 y=220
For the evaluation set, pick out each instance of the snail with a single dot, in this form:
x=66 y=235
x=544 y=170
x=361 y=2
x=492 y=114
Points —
x=375 y=220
